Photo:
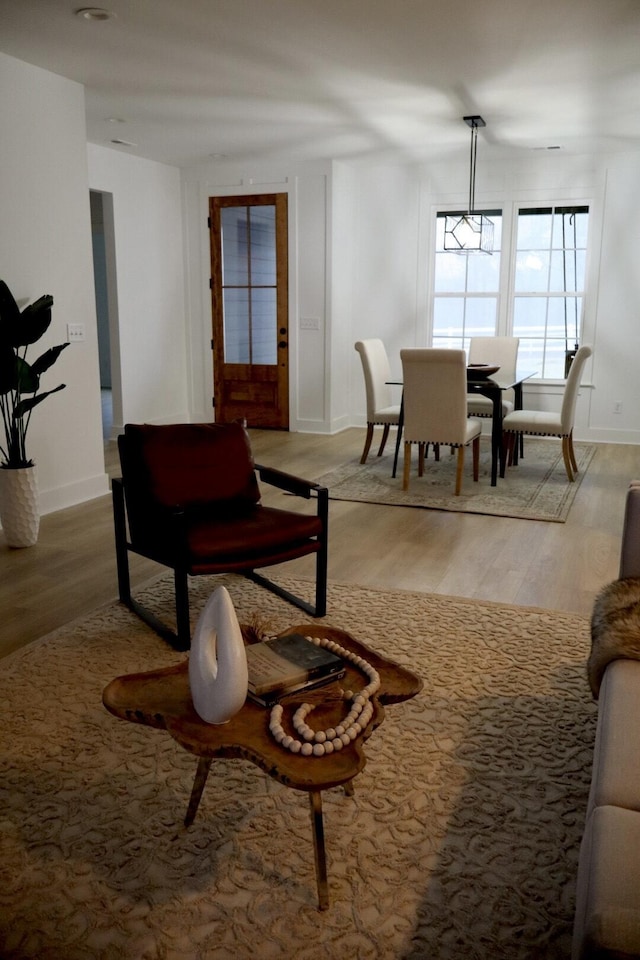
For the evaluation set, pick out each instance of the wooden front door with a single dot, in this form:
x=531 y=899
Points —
x=250 y=310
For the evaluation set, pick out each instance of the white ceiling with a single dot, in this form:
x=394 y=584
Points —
x=370 y=80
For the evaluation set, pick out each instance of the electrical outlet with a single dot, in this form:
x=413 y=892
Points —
x=75 y=332
x=617 y=407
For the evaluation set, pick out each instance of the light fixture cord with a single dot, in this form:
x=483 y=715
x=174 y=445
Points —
x=472 y=168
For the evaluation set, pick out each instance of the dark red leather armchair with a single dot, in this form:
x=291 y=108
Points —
x=189 y=499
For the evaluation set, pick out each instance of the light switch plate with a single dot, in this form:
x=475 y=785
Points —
x=75 y=332
x=309 y=323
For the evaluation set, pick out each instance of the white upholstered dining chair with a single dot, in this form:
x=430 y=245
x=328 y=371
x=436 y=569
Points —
x=544 y=424
x=380 y=410
x=497 y=351
x=435 y=408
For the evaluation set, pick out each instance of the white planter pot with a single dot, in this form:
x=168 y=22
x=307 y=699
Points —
x=19 y=507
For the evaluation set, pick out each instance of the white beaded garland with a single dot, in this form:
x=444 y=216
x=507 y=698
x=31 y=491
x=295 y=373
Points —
x=318 y=743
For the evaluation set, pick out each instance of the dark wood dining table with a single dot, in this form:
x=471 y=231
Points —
x=492 y=388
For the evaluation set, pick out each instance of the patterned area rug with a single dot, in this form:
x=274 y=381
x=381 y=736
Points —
x=461 y=840
x=537 y=489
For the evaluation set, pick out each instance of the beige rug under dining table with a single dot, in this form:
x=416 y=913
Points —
x=536 y=489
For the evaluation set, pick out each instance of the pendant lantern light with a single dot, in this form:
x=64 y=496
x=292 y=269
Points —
x=470 y=232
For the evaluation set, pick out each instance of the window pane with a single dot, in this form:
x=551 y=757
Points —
x=562 y=320
x=532 y=271
x=450 y=273
x=480 y=317
x=554 y=360
x=567 y=270
x=483 y=273
x=233 y=221
x=236 y=326
x=534 y=229
x=570 y=228
x=263 y=326
x=448 y=343
x=529 y=317
x=448 y=316
x=263 y=245
x=582 y=224
x=531 y=355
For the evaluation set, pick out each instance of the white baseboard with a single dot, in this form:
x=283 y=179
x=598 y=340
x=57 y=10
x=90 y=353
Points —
x=73 y=493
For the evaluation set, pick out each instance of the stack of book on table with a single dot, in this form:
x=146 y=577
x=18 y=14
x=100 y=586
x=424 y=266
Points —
x=288 y=664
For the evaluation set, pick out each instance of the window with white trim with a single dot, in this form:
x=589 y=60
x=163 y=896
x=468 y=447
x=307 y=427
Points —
x=544 y=300
x=549 y=281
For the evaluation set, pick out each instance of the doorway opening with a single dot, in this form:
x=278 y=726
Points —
x=105 y=283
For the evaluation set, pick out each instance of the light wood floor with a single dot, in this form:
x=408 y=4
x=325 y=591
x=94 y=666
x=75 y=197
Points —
x=561 y=566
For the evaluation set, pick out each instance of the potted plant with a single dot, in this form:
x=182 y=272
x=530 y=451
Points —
x=19 y=394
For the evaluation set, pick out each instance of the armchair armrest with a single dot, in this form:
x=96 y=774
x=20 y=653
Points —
x=289 y=482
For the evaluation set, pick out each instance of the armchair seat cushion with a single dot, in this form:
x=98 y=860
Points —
x=265 y=533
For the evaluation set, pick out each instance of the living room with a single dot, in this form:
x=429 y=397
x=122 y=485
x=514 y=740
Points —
x=358 y=254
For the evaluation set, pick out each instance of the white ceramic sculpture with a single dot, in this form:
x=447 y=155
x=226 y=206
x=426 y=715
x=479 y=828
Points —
x=218 y=661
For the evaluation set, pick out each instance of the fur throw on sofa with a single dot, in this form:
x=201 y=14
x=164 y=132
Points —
x=615 y=628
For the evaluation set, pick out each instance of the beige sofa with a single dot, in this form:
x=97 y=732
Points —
x=607 y=920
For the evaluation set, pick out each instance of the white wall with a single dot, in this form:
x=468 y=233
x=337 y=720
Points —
x=147 y=219
x=385 y=237
x=45 y=247
x=617 y=330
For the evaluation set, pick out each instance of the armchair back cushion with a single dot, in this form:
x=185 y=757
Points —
x=195 y=467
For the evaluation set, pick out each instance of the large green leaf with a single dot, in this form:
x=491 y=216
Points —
x=8 y=369
x=34 y=321
x=9 y=313
x=47 y=359
x=28 y=380
x=25 y=405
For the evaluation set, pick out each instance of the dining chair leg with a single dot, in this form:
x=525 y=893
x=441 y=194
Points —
x=476 y=458
x=421 y=451
x=406 y=467
x=385 y=434
x=566 y=453
x=572 y=453
x=367 y=443
x=436 y=451
x=459 y=469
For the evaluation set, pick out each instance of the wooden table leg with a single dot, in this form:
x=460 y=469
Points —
x=204 y=763
x=315 y=801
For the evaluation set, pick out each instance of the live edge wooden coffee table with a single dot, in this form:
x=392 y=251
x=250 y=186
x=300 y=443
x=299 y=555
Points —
x=162 y=699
